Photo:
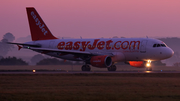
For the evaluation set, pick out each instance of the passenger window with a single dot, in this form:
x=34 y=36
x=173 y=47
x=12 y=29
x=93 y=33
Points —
x=154 y=45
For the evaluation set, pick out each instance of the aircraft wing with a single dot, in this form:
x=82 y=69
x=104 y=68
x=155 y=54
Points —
x=69 y=51
x=37 y=48
x=31 y=45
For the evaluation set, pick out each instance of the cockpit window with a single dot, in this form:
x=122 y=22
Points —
x=159 y=45
x=163 y=45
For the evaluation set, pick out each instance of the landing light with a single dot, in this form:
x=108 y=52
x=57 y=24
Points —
x=34 y=70
x=148 y=65
x=149 y=61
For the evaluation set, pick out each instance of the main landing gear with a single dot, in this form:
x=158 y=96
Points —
x=86 y=68
x=112 y=68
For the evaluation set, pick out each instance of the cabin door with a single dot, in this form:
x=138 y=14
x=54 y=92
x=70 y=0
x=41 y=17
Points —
x=143 y=46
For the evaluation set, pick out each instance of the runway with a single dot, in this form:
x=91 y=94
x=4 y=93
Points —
x=84 y=72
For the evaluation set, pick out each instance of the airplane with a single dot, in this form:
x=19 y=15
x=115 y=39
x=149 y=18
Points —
x=98 y=52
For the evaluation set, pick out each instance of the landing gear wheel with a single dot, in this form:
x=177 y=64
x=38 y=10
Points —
x=112 y=68
x=149 y=69
x=86 y=68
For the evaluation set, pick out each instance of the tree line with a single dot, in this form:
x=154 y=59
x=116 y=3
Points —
x=4 y=47
x=53 y=61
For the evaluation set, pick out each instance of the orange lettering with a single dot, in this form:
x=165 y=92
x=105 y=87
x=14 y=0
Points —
x=69 y=45
x=108 y=44
x=61 y=45
x=125 y=46
x=84 y=45
x=101 y=45
x=91 y=47
x=115 y=46
x=76 y=45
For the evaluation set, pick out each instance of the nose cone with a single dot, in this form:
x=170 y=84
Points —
x=169 y=53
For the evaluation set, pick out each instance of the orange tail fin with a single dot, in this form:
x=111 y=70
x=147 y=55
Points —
x=39 y=30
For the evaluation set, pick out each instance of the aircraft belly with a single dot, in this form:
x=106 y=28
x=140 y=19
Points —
x=62 y=55
x=133 y=56
x=70 y=57
x=67 y=56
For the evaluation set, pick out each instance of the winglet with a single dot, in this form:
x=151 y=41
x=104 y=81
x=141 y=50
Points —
x=39 y=30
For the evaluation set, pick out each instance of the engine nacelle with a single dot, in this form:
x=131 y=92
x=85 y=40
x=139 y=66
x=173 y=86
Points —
x=138 y=64
x=101 y=61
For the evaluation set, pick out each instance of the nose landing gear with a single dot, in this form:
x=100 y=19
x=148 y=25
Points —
x=148 y=66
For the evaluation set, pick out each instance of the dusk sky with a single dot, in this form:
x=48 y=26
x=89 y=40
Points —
x=94 y=18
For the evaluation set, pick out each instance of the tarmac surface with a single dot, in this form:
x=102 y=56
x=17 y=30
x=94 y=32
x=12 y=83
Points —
x=81 y=72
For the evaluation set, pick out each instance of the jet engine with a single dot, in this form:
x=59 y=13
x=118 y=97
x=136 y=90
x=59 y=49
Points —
x=101 y=61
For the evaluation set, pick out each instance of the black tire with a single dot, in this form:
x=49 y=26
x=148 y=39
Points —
x=86 y=68
x=112 y=68
x=149 y=69
x=83 y=68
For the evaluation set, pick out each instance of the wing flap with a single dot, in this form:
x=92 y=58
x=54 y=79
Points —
x=61 y=51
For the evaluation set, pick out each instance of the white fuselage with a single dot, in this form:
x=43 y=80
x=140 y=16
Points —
x=121 y=49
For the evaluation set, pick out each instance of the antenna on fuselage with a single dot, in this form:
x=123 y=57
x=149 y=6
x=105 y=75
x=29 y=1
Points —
x=146 y=36
x=80 y=37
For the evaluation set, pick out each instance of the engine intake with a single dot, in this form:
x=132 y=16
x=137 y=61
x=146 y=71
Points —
x=101 y=61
